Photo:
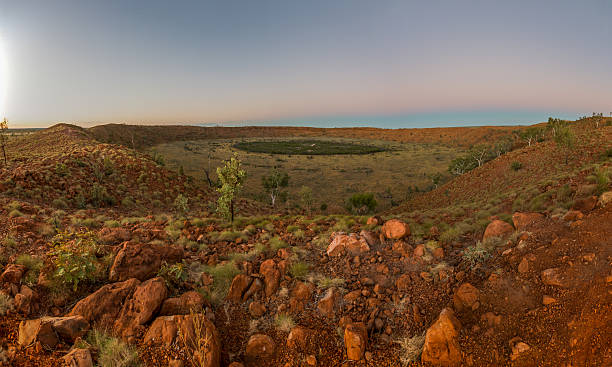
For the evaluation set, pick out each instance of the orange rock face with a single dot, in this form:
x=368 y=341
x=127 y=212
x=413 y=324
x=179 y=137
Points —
x=395 y=229
x=441 y=346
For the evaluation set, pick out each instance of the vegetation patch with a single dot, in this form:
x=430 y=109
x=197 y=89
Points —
x=307 y=147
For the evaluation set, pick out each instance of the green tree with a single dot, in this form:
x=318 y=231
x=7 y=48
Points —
x=274 y=184
x=361 y=203
x=564 y=139
x=306 y=198
x=231 y=178
x=531 y=134
x=4 y=138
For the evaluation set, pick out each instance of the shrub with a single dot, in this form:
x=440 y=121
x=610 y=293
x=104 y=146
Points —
x=180 y=204
x=284 y=322
x=326 y=282
x=277 y=243
x=75 y=259
x=411 y=349
x=173 y=274
x=516 y=165
x=602 y=180
x=222 y=275
x=231 y=178
x=15 y=213
x=299 y=270
x=112 y=352
x=361 y=203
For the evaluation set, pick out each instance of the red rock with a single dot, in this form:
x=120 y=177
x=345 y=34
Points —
x=419 y=250
x=167 y=330
x=518 y=349
x=554 y=277
x=257 y=309
x=255 y=287
x=369 y=236
x=497 y=228
x=302 y=291
x=114 y=235
x=523 y=266
x=585 y=205
x=260 y=347
x=466 y=298
x=271 y=275
x=39 y=330
x=24 y=300
x=441 y=346
x=395 y=229
x=182 y=305
x=141 y=306
x=356 y=340
x=239 y=286
x=327 y=305
x=573 y=215
x=353 y=244
x=142 y=261
x=12 y=273
x=438 y=253
x=403 y=283
x=298 y=338
x=103 y=306
x=78 y=357
x=402 y=248
x=70 y=328
x=523 y=220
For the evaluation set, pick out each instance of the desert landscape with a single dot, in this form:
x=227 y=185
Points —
x=113 y=255
x=273 y=183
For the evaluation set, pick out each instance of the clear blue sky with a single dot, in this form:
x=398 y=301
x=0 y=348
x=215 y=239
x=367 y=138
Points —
x=303 y=62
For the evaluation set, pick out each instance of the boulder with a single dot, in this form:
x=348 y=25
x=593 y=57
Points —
x=103 y=306
x=194 y=332
x=466 y=298
x=260 y=347
x=239 y=286
x=370 y=237
x=269 y=270
x=257 y=309
x=24 y=300
x=78 y=357
x=355 y=340
x=585 y=205
x=182 y=305
x=141 y=306
x=441 y=346
x=255 y=287
x=555 y=278
x=39 y=330
x=327 y=305
x=12 y=273
x=497 y=228
x=70 y=328
x=395 y=229
x=402 y=248
x=351 y=243
x=573 y=215
x=299 y=337
x=374 y=221
x=112 y=236
x=142 y=261
x=523 y=220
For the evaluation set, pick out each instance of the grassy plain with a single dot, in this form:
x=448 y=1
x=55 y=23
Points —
x=390 y=174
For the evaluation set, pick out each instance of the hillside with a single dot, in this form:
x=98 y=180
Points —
x=498 y=267
x=140 y=136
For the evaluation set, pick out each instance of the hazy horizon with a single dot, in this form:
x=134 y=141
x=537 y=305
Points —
x=389 y=63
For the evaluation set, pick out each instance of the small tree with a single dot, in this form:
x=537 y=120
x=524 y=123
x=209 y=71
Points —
x=531 y=135
x=362 y=203
x=274 y=184
x=480 y=154
x=4 y=138
x=564 y=139
x=231 y=178
x=306 y=198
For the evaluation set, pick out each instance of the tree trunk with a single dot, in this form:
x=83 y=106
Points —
x=232 y=211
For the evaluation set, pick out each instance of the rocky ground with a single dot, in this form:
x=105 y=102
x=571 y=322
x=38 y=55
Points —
x=109 y=285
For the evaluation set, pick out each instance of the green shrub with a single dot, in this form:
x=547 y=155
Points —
x=284 y=322
x=173 y=275
x=299 y=270
x=222 y=275
x=361 y=203
x=15 y=213
x=112 y=352
x=74 y=257
x=516 y=166
x=326 y=282
x=180 y=204
x=277 y=243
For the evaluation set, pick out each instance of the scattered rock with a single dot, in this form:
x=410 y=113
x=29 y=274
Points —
x=547 y=300
x=523 y=220
x=395 y=229
x=374 y=221
x=573 y=215
x=12 y=273
x=111 y=236
x=402 y=248
x=260 y=347
x=142 y=305
x=554 y=277
x=39 y=330
x=103 y=306
x=351 y=243
x=518 y=349
x=78 y=357
x=523 y=266
x=441 y=341
x=298 y=338
x=269 y=270
x=182 y=305
x=257 y=309
x=240 y=284
x=142 y=261
x=497 y=228
x=355 y=339
x=585 y=205
x=327 y=304
x=466 y=298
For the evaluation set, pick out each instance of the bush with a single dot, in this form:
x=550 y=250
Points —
x=516 y=165
x=75 y=257
x=284 y=322
x=180 y=204
x=173 y=275
x=222 y=275
x=361 y=203
x=411 y=349
x=299 y=270
x=112 y=352
x=277 y=243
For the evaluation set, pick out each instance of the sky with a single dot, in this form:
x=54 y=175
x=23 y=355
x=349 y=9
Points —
x=313 y=63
